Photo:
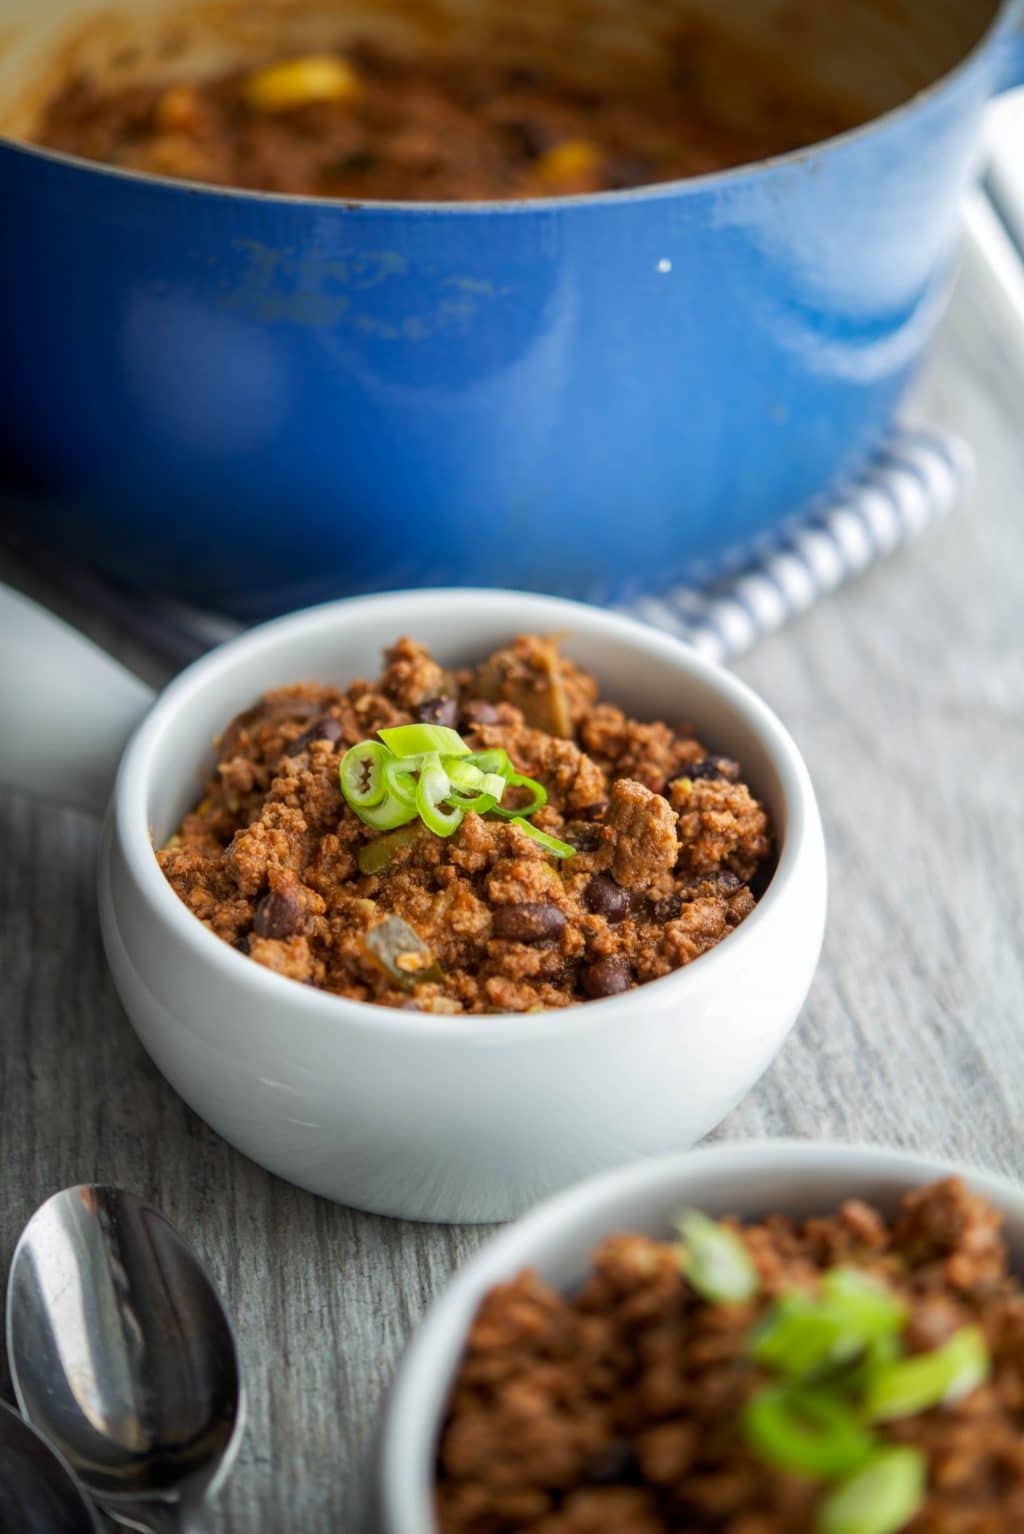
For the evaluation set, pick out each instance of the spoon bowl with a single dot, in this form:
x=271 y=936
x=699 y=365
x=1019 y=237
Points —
x=122 y=1356
x=37 y=1490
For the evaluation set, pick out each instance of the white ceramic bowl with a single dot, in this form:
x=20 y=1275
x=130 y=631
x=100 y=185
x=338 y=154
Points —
x=749 y=1179
x=443 y=1118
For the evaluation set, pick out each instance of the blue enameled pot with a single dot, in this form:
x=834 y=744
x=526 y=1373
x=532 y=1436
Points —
x=252 y=401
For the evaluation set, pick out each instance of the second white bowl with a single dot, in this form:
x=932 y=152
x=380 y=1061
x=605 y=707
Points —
x=750 y=1179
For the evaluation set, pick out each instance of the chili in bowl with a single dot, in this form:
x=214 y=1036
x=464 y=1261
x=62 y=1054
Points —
x=766 y=1338
x=555 y=851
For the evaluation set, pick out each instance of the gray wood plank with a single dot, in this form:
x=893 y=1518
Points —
x=906 y=693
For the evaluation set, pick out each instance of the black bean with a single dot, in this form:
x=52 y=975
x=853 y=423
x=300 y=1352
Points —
x=278 y=914
x=476 y=711
x=439 y=711
x=710 y=767
x=327 y=728
x=614 y=1465
x=357 y=163
x=527 y=77
x=606 y=977
x=607 y=899
x=666 y=910
x=584 y=835
x=535 y=921
x=527 y=136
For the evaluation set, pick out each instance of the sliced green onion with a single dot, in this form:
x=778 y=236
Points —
x=799 y=1337
x=495 y=760
x=400 y=781
x=432 y=790
x=805 y=1432
x=880 y=1498
x=385 y=817
x=361 y=774
x=803 y=1336
x=549 y=843
x=491 y=789
x=853 y=1376
x=916 y=1384
x=377 y=856
x=463 y=774
x=418 y=739
x=482 y=804
x=539 y=792
x=866 y=1300
x=715 y=1260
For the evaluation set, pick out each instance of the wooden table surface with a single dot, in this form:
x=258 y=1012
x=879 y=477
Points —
x=905 y=692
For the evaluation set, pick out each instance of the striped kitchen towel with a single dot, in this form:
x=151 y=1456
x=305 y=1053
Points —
x=915 y=479
x=917 y=476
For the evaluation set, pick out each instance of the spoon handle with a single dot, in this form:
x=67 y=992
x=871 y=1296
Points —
x=153 y=1517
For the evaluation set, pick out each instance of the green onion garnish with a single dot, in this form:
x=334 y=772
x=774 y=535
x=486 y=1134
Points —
x=387 y=815
x=491 y=789
x=715 y=1260
x=463 y=775
x=802 y=1337
x=916 y=1384
x=362 y=774
x=400 y=781
x=429 y=771
x=539 y=799
x=842 y=1359
x=880 y=1498
x=418 y=739
x=432 y=790
x=495 y=760
x=549 y=843
x=805 y=1432
x=866 y=1300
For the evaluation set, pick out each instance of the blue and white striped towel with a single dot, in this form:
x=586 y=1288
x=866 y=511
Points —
x=916 y=477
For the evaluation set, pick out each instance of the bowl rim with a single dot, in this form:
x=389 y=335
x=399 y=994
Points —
x=132 y=827
x=1002 y=20
x=410 y=1408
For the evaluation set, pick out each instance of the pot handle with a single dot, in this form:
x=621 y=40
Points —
x=66 y=708
x=1011 y=72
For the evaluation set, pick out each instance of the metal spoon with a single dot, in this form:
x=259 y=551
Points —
x=122 y=1357
x=37 y=1490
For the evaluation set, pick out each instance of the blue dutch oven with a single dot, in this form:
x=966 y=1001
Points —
x=251 y=401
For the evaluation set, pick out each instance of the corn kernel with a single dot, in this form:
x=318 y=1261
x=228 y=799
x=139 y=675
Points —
x=176 y=108
x=298 y=82
x=570 y=160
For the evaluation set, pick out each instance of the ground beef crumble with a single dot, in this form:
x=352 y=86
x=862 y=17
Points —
x=669 y=841
x=613 y=1411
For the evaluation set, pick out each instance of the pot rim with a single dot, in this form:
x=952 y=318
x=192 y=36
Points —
x=688 y=186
